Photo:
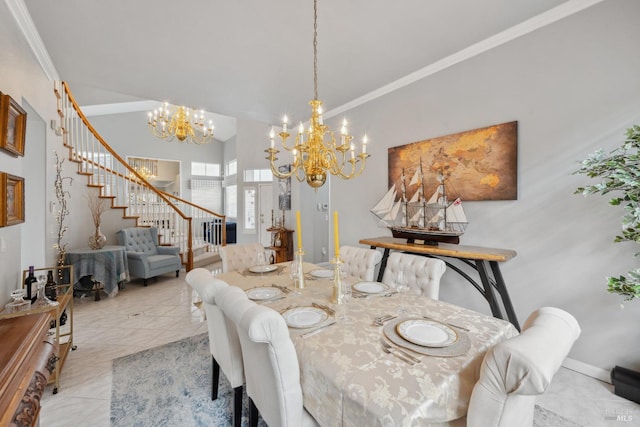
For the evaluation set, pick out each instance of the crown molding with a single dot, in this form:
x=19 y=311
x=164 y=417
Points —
x=25 y=24
x=552 y=15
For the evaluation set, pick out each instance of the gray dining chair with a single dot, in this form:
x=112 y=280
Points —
x=422 y=273
x=360 y=262
x=239 y=256
x=516 y=370
x=226 y=352
x=270 y=362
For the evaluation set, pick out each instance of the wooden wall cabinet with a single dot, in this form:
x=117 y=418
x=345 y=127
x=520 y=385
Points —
x=281 y=243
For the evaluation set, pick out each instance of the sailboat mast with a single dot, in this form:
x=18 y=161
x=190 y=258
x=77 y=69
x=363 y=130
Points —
x=404 y=198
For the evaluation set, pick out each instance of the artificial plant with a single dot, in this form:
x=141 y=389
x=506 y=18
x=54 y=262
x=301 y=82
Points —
x=619 y=172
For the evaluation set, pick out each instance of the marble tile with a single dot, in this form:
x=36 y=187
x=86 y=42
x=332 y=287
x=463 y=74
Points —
x=142 y=317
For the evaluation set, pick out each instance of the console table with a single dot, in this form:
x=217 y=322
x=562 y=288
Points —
x=27 y=358
x=485 y=261
x=107 y=266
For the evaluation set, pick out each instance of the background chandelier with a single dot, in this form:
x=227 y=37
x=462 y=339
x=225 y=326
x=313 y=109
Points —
x=316 y=151
x=147 y=168
x=181 y=123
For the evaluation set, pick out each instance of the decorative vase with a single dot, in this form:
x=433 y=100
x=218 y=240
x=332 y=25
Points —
x=97 y=240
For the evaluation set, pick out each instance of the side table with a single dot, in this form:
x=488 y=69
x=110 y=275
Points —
x=107 y=266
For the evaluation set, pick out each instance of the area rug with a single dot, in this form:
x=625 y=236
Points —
x=170 y=386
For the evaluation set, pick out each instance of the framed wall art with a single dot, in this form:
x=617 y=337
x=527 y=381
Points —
x=13 y=125
x=478 y=164
x=11 y=199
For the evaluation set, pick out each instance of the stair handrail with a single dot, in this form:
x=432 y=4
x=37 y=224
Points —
x=135 y=177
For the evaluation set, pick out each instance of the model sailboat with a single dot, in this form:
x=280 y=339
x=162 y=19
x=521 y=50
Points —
x=433 y=220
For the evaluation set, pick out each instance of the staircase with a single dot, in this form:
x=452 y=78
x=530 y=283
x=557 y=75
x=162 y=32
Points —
x=197 y=231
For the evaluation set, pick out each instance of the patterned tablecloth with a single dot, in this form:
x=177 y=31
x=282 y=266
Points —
x=348 y=380
x=107 y=266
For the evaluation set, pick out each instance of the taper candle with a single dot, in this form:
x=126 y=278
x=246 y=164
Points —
x=299 y=229
x=336 y=238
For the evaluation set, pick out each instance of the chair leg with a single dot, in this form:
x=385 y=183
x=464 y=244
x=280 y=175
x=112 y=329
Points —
x=215 y=377
x=144 y=282
x=237 y=407
x=177 y=273
x=253 y=414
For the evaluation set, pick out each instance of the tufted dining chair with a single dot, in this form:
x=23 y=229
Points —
x=423 y=273
x=226 y=353
x=270 y=362
x=239 y=256
x=516 y=370
x=360 y=262
x=145 y=258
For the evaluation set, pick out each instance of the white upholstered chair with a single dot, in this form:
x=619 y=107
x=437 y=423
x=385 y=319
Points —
x=226 y=353
x=360 y=262
x=516 y=370
x=270 y=361
x=423 y=273
x=239 y=256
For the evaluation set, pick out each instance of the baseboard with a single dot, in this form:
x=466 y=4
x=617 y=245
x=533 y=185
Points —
x=588 y=370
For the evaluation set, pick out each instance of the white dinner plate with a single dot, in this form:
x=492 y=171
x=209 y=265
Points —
x=261 y=294
x=322 y=274
x=304 y=317
x=263 y=268
x=426 y=333
x=370 y=287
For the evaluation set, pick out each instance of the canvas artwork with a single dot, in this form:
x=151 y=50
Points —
x=479 y=164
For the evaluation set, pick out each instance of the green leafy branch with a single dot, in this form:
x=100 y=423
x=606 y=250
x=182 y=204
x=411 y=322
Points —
x=619 y=171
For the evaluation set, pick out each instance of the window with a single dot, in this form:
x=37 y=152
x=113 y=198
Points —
x=231 y=201
x=250 y=208
x=207 y=193
x=231 y=167
x=206 y=169
x=258 y=175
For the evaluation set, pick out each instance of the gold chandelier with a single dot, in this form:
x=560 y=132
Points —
x=147 y=168
x=181 y=123
x=316 y=150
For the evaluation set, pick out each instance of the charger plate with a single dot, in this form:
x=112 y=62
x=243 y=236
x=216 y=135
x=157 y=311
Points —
x=370 y=287
x=263 y=293
x=460 y=347
x=427 y=333
x=304 y=317
x=263 y=268
x=322 y=273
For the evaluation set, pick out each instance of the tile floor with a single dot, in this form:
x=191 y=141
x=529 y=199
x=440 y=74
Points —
x=143 y=317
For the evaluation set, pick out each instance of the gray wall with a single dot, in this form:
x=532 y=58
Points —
x=22 y=78
x=573 y=87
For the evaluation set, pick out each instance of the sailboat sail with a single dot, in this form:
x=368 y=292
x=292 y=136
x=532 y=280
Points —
x=435 y=219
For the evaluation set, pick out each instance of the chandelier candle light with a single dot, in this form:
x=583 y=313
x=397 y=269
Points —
x=316 y=151
x=299 y=255
x=181 y=123
x=337 y=297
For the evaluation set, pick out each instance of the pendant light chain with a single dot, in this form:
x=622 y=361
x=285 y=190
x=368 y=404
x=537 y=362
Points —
x=315 y=49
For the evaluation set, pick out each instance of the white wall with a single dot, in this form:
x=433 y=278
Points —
x=573 y=87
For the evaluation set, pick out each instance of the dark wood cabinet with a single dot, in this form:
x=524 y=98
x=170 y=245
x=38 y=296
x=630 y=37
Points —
x=281 y=243
x=28 y=356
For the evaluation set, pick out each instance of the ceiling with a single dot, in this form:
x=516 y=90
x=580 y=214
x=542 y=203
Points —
x=254 y=59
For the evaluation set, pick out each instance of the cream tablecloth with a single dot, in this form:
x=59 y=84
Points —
x=347 y=379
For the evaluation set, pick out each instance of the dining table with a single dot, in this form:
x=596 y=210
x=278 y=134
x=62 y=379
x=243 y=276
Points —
x=349 y=377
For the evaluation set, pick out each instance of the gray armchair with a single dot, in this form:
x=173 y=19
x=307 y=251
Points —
x=144 y=256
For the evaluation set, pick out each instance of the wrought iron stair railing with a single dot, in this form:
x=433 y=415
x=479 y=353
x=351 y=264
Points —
x=179 y=222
